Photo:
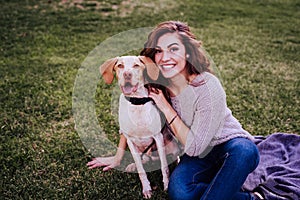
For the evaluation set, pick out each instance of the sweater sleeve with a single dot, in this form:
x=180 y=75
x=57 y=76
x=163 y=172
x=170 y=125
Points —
x=208 y=117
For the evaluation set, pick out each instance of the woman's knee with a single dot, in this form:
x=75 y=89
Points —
x=245 y=150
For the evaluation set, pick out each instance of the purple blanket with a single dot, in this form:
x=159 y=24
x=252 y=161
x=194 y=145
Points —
x=278 y=173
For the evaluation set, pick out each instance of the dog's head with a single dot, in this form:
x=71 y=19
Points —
x=129 y=71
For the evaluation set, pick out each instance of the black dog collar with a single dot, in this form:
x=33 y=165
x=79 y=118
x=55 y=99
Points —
x=138 y=101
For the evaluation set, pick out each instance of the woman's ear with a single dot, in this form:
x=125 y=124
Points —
x=106 y=70
x=151 y=67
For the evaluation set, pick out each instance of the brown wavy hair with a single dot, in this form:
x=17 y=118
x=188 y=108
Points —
x=196 y=63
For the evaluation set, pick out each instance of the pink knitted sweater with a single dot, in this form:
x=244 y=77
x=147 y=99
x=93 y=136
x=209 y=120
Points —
x=202 y=107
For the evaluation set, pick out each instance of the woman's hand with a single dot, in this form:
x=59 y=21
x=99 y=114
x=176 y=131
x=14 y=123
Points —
x=112 y=161
x=160 y=100
x=106 y=162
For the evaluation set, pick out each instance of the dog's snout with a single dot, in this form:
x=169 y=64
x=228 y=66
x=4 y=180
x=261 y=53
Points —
x=127 y=75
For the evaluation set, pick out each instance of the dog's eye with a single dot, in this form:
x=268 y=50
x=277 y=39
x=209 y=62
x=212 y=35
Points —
x=120 y=66
x=136 y=66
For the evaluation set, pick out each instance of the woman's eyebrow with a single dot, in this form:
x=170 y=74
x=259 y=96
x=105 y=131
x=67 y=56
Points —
x=175 y=43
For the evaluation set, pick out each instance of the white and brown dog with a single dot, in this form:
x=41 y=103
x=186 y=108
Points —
x=139 y=119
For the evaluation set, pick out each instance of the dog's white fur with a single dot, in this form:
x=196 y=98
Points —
x=140 y=124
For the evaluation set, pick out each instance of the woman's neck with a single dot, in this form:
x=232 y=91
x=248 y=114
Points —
x=179 y=83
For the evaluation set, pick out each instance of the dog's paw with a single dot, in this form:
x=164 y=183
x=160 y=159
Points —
x=131 y=168
x=147 y=194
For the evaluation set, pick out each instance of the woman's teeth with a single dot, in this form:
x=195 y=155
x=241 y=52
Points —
x=167 y=66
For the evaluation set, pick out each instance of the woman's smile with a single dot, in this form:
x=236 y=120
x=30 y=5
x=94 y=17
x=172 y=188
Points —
x=167 y=66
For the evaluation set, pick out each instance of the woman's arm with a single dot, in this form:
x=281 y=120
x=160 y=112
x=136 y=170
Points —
x=207 y=114
x=112 y=161
x=178 y=127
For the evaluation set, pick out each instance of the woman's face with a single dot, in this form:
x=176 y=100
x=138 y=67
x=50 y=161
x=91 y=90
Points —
x=170 y=55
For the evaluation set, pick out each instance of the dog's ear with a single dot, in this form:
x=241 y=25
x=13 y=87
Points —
x=106 y=70
x=151 y=67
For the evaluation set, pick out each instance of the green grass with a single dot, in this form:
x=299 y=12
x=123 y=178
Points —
x=255 y=45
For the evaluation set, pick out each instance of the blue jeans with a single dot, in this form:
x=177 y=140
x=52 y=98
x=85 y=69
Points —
x=219 y=175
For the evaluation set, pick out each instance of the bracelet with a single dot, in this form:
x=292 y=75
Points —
x=173 y=119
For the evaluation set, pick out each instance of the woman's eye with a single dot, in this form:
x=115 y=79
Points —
x=173 y=49
x=158 y=50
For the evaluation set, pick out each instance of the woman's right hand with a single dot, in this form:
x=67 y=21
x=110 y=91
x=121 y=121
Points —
x=160 y=100
x=112 y=161
x=106 y=162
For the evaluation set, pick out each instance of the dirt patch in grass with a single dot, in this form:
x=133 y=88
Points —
x=107 y=8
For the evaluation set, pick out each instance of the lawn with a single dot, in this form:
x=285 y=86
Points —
x=255 y=46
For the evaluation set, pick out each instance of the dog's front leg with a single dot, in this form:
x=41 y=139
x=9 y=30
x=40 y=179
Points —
x=147 y=191
x=162 y=155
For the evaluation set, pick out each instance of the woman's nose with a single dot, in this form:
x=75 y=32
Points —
x=165 y=56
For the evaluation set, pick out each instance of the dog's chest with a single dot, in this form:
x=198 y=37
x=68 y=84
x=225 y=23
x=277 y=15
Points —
x=138 y=120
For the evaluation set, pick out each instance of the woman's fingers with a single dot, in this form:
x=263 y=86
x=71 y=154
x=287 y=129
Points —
x=91 y=162
x=155 y=93
x=100 y=162
x=113 y=165
x=106 y=162
x=95 y=165
x=158 y=98
x=154 y=90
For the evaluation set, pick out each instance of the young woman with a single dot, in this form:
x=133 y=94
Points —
x=218 y=152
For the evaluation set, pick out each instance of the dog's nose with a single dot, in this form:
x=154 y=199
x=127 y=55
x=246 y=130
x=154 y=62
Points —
x=127 y=75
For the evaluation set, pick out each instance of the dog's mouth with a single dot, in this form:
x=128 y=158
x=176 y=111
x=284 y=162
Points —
x=128 y=88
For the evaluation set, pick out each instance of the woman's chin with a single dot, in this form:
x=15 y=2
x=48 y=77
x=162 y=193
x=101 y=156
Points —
x=167 y=74
x=170 y=73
